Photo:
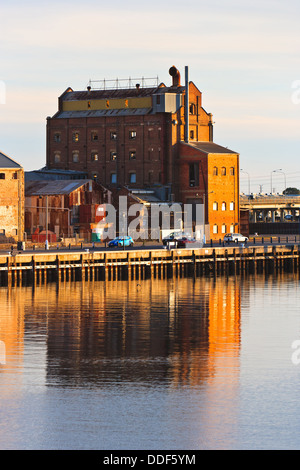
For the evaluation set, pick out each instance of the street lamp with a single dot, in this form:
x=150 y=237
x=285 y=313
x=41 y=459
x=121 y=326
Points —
x=280 y=171
x=248 y=180
x=274 y=171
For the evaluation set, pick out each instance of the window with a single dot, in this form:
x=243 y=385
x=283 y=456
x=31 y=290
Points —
x=223 y=206
x=113 y=136
x=132 y=135
x=132 y=155
x=75 y=137
x=223 y=228
x=132 y=178
x=76 y=157
x=223 y=171
x=215 y=206
x=14 y=176
x=57 y=137
x=2 y=176
x=94 y=136
x=57 y=158
x=232 y=171
x=231 y=228
x=113 y=156
x=215 y=171
x=193 y=108
x=231 y=206
x=94 y=156
x=194 y=175
x=113 y=178
x=215 y=228
x=192 y=135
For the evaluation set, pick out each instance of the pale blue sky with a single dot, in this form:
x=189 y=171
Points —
x=244 y=56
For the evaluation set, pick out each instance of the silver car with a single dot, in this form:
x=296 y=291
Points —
x=235 y=237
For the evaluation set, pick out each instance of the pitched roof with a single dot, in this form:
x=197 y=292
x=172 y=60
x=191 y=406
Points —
x=103 y=112
x=7 y=162
x=210 y=147
x=109 y=93
x=71 y=95
x=52 y=187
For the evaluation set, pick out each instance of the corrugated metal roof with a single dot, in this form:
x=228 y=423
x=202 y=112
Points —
x=103 y=112
x=7 y=162
x=119 y=93
x=51 y=188
x=210 y=147
x=102 y=94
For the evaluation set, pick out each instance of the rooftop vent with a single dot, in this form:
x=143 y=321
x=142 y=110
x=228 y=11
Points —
x=174 y=72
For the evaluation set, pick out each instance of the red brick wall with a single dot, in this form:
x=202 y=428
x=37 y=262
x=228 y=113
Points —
x=149 y=147
x=12 y=203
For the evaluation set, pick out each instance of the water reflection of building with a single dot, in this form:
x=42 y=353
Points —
x=173 y=331
x=11 y=329
x=154 y=330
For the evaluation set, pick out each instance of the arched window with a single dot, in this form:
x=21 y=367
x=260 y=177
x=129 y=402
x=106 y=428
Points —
x=223 y=171
x=215 y=171
x=232 y=171
x=223 y=206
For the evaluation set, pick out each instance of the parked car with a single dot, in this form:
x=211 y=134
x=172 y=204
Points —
x=235 y=237
x=180 y=239
x=121 y=241
x=288 y=217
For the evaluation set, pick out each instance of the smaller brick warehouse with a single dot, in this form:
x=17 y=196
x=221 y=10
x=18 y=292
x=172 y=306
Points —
x=71 y=206
x=11 y=200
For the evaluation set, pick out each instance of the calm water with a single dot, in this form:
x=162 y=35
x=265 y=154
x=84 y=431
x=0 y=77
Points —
x=152 y=365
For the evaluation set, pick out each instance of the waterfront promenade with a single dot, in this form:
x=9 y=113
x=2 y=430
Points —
x=85 y=263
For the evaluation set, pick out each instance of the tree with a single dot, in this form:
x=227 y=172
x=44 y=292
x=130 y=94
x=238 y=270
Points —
x=291 y=191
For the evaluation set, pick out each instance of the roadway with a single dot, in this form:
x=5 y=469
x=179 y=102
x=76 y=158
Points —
x=100 y=247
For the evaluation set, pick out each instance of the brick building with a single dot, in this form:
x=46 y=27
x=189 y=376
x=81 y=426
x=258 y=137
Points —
x=67 y=207
x=148 y=137
x=209 y=174
x=11 y=199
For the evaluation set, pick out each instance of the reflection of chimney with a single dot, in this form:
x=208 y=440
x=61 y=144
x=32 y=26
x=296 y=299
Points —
x=176 y=76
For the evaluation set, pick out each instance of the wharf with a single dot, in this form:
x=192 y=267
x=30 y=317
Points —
x=31 y=268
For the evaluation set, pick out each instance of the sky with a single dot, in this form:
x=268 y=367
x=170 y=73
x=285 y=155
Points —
x=244 y=56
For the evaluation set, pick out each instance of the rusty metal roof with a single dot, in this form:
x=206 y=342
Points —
x=102 y=94
x=103 y=112
x=210 y=147
x=7 y=162
x=53 y=187
x=119 y=93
